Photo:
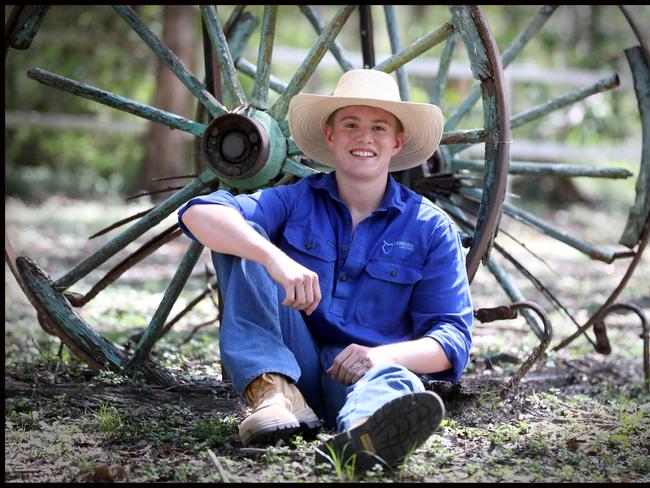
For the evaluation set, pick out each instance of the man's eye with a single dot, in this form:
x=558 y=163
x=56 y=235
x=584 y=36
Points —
x=380 y=128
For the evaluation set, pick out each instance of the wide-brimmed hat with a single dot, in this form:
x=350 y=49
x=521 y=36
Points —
x=422 y=122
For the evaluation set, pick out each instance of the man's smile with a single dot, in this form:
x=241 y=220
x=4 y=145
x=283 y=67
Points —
x=363 y=153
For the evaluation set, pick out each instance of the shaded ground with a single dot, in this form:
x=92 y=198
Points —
x=577 y=416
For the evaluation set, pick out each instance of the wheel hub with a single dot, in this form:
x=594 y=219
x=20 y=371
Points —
x=235 y=146
x=244 y=150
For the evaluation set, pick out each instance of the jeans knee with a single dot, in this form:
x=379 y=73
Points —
x=395 y=376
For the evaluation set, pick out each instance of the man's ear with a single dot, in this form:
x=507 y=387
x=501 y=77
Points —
x=399 y=143
x=327 y=132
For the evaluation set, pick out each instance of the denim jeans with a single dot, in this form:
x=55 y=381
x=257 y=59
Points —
x=260 y=335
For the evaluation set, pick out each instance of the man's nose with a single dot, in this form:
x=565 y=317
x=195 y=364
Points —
x=363 y=134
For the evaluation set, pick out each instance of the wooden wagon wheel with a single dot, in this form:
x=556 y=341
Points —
x=246 y=145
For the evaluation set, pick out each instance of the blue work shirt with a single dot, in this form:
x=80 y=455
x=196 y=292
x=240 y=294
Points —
x=400 y=276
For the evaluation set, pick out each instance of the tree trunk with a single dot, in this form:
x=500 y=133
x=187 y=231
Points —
x=168 y=151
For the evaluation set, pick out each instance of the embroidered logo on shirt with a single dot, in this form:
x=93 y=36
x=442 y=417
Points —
x=387 y=247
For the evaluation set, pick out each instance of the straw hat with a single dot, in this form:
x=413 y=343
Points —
x=422 y=122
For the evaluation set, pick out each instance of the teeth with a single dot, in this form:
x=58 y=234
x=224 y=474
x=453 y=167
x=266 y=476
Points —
x=366 y=154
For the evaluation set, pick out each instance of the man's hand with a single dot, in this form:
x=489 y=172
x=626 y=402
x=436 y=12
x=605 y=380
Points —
x=301 y=286
x=421 y=356
x=352 y=363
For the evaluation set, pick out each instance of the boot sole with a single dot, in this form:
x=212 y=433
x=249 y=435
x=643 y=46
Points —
x=309 y=422
x=389 y=435
x=269 y=435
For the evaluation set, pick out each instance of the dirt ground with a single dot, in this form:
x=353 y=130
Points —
x=576 y=416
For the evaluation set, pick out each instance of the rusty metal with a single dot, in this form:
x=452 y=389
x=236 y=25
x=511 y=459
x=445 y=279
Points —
x=614 y=295
x=510 y=312
x=504 y=312
x=628 y=307
x=120 y=223
x=154 y=192
x=79 y=300
x=178 y=177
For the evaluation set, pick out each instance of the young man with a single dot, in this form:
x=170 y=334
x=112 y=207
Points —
x=340 y=289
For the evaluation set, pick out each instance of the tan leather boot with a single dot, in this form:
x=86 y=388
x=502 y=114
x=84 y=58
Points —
x=279 y=410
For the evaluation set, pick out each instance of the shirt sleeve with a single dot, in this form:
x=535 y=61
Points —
x=441 y=305
x=268 y=208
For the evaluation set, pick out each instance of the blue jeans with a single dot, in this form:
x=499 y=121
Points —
x=259 y=335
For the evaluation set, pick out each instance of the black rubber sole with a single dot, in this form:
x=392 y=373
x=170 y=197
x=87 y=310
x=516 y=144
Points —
x=389 y=435
x=272 y=436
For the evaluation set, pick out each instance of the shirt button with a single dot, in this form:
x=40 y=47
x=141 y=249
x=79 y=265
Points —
x=343 y=278
x=309 y=245
x=393 y=273
x=344 y=249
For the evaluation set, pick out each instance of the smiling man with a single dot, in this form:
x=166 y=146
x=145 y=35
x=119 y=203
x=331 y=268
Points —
x=340 y=289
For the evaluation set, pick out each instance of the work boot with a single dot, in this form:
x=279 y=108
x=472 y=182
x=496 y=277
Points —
x=390 y=434
x=279 y=410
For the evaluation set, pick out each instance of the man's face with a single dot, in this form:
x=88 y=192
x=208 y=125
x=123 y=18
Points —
x=364 y=139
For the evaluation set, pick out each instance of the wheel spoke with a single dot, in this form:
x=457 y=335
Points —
x=234 y=16
x=443 y=70
x=416 y=48
x=469 y=136
x=292 y=148
x=594 y=252
x=292 y=167
x=239 y=34
x=395 y=43
x=116 y=101
x=250 y=70
x=221 y=50
x=547 y=107
x=171 y=61
x=147 y=222
x=303 y=73
x=335 y=48
x=260 y=95
x=23 y=24
x=510 y=53
x=546 y=169
x=563 y=101
x=155 y=327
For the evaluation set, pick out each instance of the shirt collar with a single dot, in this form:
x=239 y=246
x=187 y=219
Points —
x=393 y=197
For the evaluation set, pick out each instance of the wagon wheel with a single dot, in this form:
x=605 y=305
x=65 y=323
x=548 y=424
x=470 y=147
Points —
x=247 y=145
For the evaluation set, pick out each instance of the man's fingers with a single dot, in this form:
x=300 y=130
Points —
x=289 y=295
x=315 y=297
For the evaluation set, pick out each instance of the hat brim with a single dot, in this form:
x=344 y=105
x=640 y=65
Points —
x=422 y=124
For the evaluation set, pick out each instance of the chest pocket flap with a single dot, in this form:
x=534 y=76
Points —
x=395 y=272
x=309 y=243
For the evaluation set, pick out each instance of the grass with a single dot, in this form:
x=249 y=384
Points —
x=594 y=430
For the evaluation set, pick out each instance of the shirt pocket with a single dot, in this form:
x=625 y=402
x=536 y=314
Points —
x=312 y=251
x=385 y=292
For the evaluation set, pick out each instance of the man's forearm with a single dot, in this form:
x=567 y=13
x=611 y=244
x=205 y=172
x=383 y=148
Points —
x=423 y=356
x=224 y=230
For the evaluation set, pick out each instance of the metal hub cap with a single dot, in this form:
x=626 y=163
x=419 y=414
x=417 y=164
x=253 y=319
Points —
x=235 y=146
